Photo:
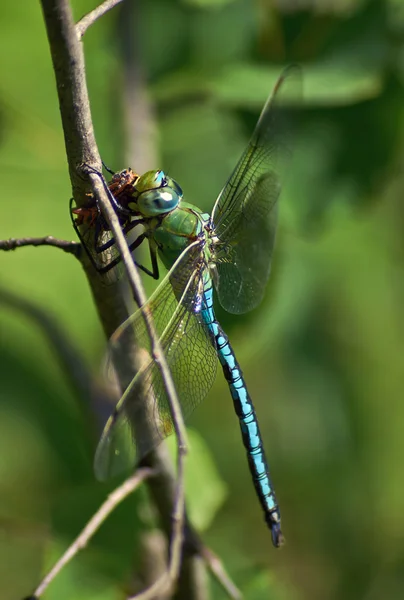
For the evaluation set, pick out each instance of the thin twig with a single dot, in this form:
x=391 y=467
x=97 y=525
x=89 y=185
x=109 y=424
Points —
x=90 y=18
x=142 y=151
x=165 y=583
x=115 y=498
x=178 y=519
x=219 y=572
x=153 y=561
x=100 y=191
x=69 y=247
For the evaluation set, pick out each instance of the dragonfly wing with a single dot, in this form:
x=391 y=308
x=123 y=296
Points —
x=142 y=417
x=245 y=213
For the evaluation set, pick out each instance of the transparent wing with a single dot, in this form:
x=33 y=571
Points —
x=142 y=417
x=245 y=213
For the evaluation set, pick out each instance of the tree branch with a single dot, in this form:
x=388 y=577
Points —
x=83 y=158
x=68 y=64
x=91 y=17
x=14 y=243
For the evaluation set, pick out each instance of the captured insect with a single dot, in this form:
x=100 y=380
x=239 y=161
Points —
x=92 y=228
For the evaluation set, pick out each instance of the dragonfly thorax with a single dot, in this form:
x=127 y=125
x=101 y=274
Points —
x=176 y=230
x=155 y=194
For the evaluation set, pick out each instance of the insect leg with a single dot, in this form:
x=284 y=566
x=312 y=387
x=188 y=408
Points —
x=132 y=247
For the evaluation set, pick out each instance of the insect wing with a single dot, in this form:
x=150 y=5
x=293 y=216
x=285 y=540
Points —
x=142 y=417
x=245 y=213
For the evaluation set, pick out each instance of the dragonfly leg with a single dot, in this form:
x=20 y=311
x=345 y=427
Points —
x=110 y=171
x=117 y=260
x=155 y=266
x=82 y=242
x=128 y=227
x=152 y=273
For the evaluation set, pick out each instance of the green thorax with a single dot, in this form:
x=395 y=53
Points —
x=173 y=232
x=171 y=224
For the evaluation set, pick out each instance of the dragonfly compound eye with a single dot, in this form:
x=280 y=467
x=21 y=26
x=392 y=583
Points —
x=156 y=194
x=158 y=202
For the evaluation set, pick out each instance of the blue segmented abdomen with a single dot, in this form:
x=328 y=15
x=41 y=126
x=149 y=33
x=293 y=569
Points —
x=248 y=421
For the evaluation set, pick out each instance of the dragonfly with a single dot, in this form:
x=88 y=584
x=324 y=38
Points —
x=230 y=250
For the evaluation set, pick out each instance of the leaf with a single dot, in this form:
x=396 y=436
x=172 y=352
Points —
x=332 y=82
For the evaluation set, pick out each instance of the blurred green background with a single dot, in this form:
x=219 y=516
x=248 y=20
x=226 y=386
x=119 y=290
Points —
x=323 y=355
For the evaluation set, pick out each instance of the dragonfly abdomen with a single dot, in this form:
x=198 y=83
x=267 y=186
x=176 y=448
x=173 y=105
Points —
x=248 y=421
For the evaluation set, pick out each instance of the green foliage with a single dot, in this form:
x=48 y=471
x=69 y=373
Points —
x=323 y=355
x=243 y=85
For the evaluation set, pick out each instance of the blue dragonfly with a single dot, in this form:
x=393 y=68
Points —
x=231 y=249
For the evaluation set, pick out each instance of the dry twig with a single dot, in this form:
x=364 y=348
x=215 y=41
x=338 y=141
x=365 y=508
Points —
x=14 y=243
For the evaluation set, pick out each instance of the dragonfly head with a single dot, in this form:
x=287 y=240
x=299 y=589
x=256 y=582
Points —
x=155 y=194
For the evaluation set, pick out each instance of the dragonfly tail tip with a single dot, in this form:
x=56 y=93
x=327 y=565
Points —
x=277 y=536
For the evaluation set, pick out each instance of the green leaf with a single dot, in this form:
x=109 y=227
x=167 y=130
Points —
x=333 y=84
x=327 y=83
x=247 y=85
